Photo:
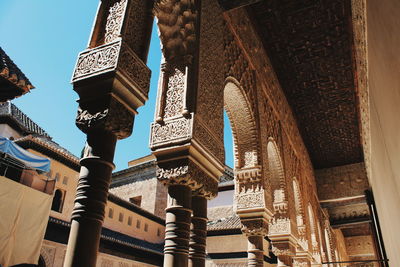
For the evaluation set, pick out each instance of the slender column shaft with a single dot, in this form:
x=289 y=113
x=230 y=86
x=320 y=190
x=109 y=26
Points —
x=90 y=201
x=198 y=234
x=255 y=253
x=177 y=226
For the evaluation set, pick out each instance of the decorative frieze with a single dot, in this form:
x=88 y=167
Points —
x=280 y=226
x=98 y=60
x=252 y=199
x=171 y=132
x=113 y=57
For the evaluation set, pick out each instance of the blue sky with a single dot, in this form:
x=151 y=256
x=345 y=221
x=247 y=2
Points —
x=44 y=37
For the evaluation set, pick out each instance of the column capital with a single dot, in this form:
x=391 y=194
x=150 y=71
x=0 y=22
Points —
x=186 y=172
x=255 y=227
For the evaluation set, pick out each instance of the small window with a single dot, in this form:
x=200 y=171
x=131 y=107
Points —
x=57 y=177
x=136 y=200
x=110 y=213
x=121 y=217
x=129 y=220
x=58 y=199
x=138 y=224
x=65 y=180
x=158 y=232
x=146 y=227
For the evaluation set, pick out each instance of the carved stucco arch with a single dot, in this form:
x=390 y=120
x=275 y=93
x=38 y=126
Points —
x=249 y=186
x=277 y=177
x=243 y=124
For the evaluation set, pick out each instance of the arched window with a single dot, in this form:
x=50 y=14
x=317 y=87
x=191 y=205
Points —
x=328 y=247
x=42 y=262
x=277 y=177
x=312 y=228
x=57 y=203
x=298 y=203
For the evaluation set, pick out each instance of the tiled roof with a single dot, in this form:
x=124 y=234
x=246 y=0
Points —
x=113 y=236
x=227 y=223
x=9 y=110
x=49 y=148
x=10 y=72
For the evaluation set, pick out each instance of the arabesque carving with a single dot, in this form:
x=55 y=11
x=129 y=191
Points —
x=252 y=199
x=98 y=60
x=172 y=131
x=114 y=20
x=279 y=226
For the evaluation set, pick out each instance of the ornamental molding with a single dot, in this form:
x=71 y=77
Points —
x=300 y=263
x=281 y=252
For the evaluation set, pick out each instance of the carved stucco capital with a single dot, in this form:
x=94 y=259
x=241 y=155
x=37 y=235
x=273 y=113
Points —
x=187 y=173
x=256 y=226
x=106 y=114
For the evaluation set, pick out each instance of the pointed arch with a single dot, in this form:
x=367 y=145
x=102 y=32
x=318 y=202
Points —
x=277 y=176
x=298 y=204
x=313 y=228
x=243 y=124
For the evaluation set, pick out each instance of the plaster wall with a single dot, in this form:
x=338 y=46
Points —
x=66 y=181
x=383 y=41
x=153 y=193
x=226 y=244
x=7 y=131
x=153 y=232
x=224 y=198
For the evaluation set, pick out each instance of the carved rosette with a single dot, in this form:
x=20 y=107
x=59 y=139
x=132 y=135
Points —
x=189 y=174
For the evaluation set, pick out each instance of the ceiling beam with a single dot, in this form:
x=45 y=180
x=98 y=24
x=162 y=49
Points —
x=233 y=4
